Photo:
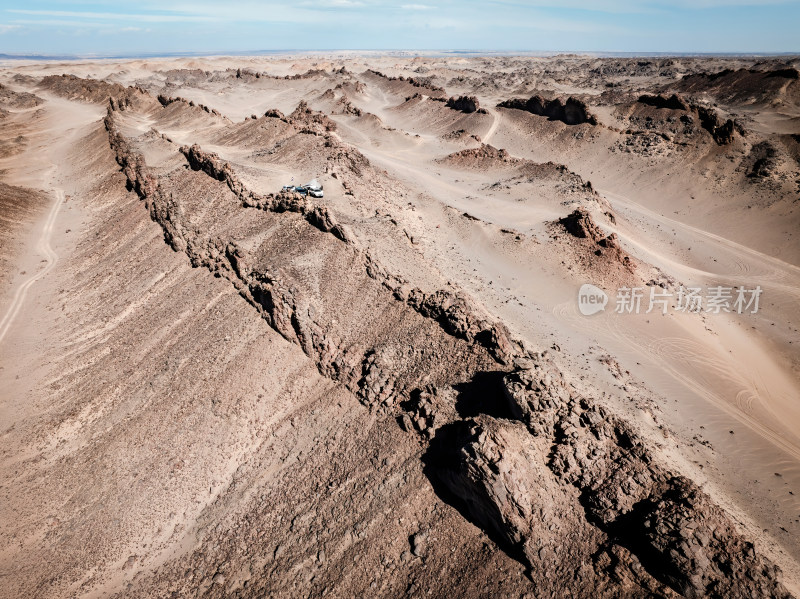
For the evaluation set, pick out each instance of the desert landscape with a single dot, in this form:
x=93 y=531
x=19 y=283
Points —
x=214 y=384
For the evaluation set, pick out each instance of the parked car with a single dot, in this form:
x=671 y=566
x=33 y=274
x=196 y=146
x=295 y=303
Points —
x=311 y=188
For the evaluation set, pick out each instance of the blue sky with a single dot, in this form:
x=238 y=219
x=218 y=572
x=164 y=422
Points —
x=151 y=26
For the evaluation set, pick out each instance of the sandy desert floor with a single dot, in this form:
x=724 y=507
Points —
x=211 y=387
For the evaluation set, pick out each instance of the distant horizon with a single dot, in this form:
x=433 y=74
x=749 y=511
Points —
x=408 y=51
x=79 y=28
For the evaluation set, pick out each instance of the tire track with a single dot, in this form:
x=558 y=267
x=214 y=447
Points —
x=43 y=248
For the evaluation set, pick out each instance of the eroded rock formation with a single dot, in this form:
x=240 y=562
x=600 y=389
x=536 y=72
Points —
x=572 y=111
x=466 y=104
x=580 y=224
x=721 y=131
x=674 y=102
x=166 y=101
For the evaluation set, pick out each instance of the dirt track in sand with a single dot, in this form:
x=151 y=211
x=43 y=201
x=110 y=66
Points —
x=49 y=257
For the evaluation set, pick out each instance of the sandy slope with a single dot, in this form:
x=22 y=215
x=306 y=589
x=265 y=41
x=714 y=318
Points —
x=156 y=436
x=43 y=248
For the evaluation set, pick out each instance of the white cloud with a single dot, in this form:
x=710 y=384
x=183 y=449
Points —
x=61 y=23
x=334 y=3
x=635 y=6
x=150 y=18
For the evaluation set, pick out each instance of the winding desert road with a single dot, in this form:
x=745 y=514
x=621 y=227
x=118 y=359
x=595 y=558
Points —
x=43 y=248
x=495 y=123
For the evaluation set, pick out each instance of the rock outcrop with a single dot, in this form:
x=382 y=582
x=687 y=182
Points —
x=762 y=161
x=668 y=524
x=166 y=101
x=580 y=224
x=572 y=111
x=310 y=121
x=92 y=90
x=17 y=100
x=673 y=102
x=721 y=131
x=466 y=104
x=485 y=156
x=579 y=494
x=496 y=471
x=345 y=106
x=213 y=166
x=426 y=84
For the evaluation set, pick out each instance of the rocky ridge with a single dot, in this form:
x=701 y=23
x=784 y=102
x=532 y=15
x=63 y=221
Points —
x=637 y=529
x=166 y=101
x=571 y=112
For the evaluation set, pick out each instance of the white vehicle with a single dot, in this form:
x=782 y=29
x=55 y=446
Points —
x=314 y=188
